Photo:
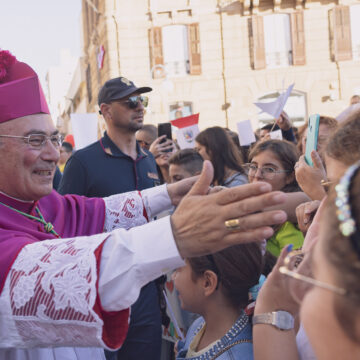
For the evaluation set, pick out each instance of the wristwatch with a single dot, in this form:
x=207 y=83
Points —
x=280 y=319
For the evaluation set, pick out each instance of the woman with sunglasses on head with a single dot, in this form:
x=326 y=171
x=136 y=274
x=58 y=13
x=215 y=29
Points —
x=217 y=287
x=215 y=144
x=273 y=161
x=343 y=149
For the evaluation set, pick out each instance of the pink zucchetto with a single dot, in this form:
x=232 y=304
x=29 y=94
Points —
x=20 y=90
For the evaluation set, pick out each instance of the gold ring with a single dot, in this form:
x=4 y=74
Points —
x=233 y=224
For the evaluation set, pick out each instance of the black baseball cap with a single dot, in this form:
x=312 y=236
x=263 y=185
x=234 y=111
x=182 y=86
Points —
x=118 y=88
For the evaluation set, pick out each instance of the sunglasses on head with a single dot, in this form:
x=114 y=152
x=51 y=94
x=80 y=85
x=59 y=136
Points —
x=133 y=101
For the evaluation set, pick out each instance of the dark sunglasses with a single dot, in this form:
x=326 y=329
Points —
x=133 y=101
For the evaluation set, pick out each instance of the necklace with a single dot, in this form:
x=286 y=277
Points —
x=48 y=226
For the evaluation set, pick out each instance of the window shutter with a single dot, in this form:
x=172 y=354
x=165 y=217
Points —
x=298 y=38
x=156 y=52
x=257 y=44
x=341 y=33
x=194 y=49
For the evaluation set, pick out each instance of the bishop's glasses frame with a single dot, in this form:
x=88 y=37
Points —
x=37 y=141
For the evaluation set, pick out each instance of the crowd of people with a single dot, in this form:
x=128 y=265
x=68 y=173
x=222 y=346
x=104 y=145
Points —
x=311 y=262
x=263 y=248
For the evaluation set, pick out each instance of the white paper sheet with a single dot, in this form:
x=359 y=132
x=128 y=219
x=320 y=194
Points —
x=277 y=135
x=246 y=133
x=275 y=108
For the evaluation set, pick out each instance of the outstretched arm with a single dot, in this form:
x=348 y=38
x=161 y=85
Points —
x=271 y=343
x=70 y=292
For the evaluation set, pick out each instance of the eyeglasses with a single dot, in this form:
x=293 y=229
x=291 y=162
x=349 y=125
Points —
x=37 y=141
x=297 y=266
x=133 y=101
x=267 y=172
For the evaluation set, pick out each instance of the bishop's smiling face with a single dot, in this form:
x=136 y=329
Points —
x=27 y=173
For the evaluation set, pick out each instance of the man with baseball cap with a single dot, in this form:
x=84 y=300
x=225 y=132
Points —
x=117 y=164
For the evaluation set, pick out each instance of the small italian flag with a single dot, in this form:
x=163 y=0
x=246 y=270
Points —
x=187 y=130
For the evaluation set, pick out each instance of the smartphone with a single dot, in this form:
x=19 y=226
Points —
x=165 y=129
x=312 y=137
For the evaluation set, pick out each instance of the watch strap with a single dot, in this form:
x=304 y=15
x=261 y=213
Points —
x=282 y=320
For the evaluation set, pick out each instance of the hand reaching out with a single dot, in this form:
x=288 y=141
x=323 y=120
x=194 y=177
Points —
x=309 y=178
x=305 y=213
x=284 y=121
x=159 y=148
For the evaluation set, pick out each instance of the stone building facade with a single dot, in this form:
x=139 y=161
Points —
x=217 y=57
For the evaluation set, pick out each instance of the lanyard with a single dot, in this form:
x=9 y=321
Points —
x=48 y=226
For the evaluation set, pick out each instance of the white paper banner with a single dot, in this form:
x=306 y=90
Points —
x=186 y=136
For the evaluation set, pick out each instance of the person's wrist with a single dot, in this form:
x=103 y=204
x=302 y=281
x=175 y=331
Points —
x=285 y=127
x=263 y=305
x=170 y=190
x=280 y=319
x=317 y=193
x=262 y=308
x=179 y=244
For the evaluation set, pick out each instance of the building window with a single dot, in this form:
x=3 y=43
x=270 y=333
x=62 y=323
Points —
x=277 y=40
x=176 y=48
x=355 y=31
x=180 y=109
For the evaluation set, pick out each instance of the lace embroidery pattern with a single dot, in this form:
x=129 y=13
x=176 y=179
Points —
x=124 y=211
x=53 y=291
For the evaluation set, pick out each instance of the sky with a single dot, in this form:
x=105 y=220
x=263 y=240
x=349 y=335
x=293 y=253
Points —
x=35 y=31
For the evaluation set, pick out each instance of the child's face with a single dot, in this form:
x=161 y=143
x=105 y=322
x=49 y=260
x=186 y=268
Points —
x=267 y=159
x=190 y=294
x=178 y=172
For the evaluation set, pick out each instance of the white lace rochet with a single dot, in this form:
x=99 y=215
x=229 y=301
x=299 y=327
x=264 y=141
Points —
x=124 y=211
x=49 y=295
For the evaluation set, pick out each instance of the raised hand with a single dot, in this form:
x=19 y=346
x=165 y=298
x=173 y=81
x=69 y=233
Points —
x=199 y=221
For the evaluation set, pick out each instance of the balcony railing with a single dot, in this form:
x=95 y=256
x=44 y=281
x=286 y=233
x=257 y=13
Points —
x=278 y=59
x=177 y=68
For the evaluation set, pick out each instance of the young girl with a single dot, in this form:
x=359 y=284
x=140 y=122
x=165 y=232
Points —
x=217 y=287
x=273 y=161
x=215 y=144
